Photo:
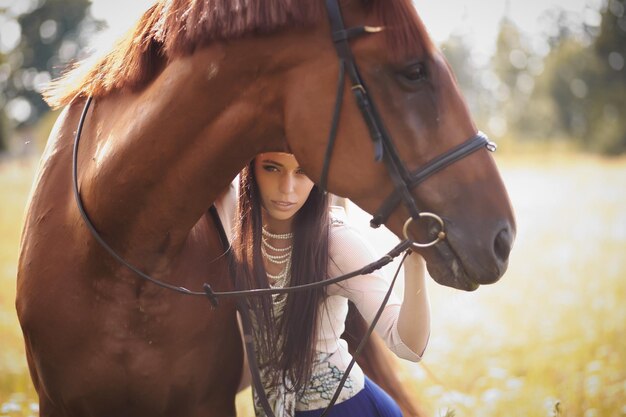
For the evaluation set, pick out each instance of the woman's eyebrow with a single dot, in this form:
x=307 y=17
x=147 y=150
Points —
x=269 y=161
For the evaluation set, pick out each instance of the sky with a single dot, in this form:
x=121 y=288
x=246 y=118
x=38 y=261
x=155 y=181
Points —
x=477 y=20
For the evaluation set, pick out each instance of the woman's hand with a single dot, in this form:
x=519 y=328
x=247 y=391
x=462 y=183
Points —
x=414 y=319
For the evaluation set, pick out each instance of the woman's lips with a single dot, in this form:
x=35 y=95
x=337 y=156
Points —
x=283 y=205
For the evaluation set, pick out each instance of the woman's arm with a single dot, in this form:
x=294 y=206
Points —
x=403 y=325
x=414 y=318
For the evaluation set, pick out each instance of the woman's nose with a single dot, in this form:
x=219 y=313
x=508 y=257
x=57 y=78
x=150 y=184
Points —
x=287 y=183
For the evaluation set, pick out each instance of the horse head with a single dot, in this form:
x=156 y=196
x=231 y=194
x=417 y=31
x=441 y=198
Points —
x=238 y=78
x=419 y=107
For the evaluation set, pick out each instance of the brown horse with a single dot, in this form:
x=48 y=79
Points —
x=180 y=106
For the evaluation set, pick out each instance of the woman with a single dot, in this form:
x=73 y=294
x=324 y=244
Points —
x=288 y=235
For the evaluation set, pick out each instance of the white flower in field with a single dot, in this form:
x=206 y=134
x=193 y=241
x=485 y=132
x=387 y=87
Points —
x=455 y=398
x=434 y=391
x=417 y=372
x=491 y=396
x=553 y=407
x=594 y=366
x=499 y=373
x=10 y=407
x=514 y=383
x=591 y=412
x=446 y=412
x=592 y=385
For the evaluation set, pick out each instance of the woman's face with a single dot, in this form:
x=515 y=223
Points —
x=283 y=186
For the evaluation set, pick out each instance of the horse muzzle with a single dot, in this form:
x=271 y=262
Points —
x=463 y=262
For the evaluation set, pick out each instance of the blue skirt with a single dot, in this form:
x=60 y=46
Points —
x=371 y=401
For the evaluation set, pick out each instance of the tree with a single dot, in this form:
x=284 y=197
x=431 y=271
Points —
x=515 y=66
x=570 y=70
x=553 y=109
x=469 y=76
x=50 y=34
x=608 y=101
x=3 y=121
x=583 y=85
x=474 y=80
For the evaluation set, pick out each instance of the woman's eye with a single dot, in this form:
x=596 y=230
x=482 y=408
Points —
x=415 y=73
x=270 y=168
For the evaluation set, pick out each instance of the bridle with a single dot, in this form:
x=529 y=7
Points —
x=385 y=150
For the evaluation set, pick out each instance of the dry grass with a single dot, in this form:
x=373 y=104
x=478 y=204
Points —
x=548 y=340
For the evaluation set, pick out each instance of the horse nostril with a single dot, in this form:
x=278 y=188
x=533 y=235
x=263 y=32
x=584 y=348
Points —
x=502 y=244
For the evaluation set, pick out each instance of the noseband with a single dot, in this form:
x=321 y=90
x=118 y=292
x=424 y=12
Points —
x=384 y=149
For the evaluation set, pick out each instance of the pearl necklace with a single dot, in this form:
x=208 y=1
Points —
x=283 y=236
x=277 y=256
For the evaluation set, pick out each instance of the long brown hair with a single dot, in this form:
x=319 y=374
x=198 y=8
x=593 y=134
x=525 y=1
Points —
x=293 y=352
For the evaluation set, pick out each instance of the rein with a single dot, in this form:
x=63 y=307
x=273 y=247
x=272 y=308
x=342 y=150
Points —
x=242 y=307
x=208 y=292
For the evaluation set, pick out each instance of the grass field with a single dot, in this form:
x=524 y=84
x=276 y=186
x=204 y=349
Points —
x=548 y=340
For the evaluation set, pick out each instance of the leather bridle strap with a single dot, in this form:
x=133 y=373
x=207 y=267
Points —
x=383 y=146
x=246 y=323
x=255 y=374
x=478 y=141
x=400 y=248
x=333 y=126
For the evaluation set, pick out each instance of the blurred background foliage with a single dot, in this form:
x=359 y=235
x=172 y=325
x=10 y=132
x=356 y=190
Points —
x=567 y=85
x=570 y=85
x=38 y=39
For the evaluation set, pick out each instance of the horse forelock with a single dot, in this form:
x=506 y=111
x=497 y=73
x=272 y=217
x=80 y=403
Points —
x=174 y=28
x=407 y=37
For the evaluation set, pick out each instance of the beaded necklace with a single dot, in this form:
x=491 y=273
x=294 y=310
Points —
x=281 y=257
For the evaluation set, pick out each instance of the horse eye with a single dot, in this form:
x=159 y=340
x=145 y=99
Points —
x=415 y=73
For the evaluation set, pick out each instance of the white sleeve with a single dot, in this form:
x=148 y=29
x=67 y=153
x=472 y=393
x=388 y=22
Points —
x=348 y=252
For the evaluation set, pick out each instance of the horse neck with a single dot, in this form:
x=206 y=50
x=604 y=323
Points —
x=168 y=151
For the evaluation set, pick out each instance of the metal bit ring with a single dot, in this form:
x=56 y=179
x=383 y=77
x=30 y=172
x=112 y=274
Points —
x=440 y=236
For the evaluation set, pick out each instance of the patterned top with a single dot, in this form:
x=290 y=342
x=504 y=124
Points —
x=348 y=252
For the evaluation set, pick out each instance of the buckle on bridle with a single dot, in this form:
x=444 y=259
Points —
x=373 y=29
x=440 y=236
x=343 y=35
x=359 y=87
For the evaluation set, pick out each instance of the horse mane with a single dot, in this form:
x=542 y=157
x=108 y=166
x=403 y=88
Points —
x=175 y=28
